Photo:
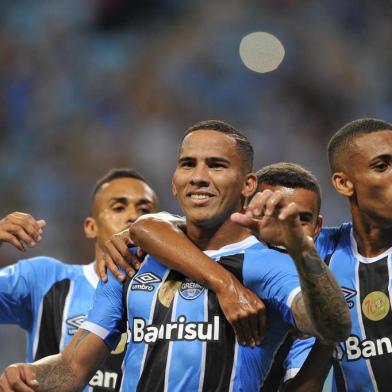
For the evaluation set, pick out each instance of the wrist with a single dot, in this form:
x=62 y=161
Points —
x=304 y=248
x=219 y=282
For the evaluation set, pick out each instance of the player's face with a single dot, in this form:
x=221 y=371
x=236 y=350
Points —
x=307 y=203
x=209 y=180
x=370 y=171
x=119 y=203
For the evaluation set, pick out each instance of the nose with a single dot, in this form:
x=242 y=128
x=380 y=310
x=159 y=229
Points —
x=132 y=214
x=200 y=175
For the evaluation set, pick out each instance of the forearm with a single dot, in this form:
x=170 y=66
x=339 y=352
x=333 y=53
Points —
x=173 y=248
x=55 y=374
x=322 y=299
x=312 y=375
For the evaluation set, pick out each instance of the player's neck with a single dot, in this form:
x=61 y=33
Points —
x=372 y=239
x=213 y=238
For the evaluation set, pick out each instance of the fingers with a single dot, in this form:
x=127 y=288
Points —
x=113 y=268
x=243 y=220
x=264 y=203
x=114 y=254
x=101 y=267
x=124 y=254
x=18 y=378
x=22 y=227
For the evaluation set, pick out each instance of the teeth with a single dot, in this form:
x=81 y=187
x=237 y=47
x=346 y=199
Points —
x=199 y=196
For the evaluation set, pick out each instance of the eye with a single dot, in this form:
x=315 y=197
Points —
x=381 y=166
x=145 y=210
x=118 y=207
x=186 y=164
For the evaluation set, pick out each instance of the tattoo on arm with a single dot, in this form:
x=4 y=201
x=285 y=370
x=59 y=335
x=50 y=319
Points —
x=321 y=308
x=56 y=377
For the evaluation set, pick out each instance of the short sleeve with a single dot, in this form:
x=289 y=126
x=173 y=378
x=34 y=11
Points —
x=296 y=357
x=16 y=285
x=273 y=276
x=106 y=318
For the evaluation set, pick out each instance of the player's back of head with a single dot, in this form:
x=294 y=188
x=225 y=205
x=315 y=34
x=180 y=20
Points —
x=243 y=146
x=289 y=175
x=341 y=142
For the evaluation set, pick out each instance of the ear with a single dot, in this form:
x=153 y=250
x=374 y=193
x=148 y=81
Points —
x=90 y=228
x=342 y=184
x=319 y=225
x=174 y=189
x=250 y=185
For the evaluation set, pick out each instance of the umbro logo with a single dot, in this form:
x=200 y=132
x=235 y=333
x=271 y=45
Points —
x=143 y=281
x=74 y=323
x=348 y=294
x=147 y=278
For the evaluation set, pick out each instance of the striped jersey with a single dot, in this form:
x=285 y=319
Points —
x=179 y=339
x=50 y=300
x=364 y=361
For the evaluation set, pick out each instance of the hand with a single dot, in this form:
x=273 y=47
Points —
x=116 y=255
x=244 y=310
x=20 y=229
x=19 y=377
x=274 y=221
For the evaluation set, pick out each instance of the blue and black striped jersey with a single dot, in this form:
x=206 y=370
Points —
x=364 y=361
x=50 y=300
x=180 y=340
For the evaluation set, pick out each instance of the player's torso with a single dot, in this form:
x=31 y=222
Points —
x=365 y=358
x=180 y=340
x=60 y=312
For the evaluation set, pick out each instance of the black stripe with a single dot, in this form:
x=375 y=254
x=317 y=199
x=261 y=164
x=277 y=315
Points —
x=52 y=319
x=338 y=376
x=220 y=354
x=276 y=374
x=153 y=374
x=328 y=259
x=375 y=277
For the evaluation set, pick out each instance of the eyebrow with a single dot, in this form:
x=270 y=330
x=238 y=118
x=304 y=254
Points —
x=382 y=156
x=213 y=159
x=124 y=200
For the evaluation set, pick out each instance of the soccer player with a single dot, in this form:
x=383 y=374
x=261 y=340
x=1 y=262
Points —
x=179 y=339
x=359 y=253
x=50 y=299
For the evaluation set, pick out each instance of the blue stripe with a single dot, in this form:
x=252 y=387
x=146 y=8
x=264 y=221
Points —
x=140 y=304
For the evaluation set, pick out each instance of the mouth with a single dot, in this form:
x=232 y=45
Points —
x=200 y=198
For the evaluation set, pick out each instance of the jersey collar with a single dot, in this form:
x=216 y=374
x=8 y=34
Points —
x=90 y=274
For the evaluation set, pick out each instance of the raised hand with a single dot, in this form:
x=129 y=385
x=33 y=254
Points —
x=116 y=256
x=20 y=229
x=275 y=221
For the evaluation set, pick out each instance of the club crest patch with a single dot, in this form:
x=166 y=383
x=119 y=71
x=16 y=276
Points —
x=190 y=290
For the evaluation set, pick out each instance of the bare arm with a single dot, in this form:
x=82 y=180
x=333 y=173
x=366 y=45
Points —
x=162 y=238
x=68 y=371
x=314 y=371
x=320 y=309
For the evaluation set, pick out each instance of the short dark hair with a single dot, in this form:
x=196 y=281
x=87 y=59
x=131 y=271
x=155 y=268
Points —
x=244 y=148
x=289 y=175
x=114 y=174
x=342 y=140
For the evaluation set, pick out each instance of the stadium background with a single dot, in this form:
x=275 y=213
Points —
x=87 y=85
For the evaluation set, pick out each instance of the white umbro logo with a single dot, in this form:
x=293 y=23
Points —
x=147 y=278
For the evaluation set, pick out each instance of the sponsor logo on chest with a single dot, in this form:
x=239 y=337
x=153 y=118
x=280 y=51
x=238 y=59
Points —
x=178 y=330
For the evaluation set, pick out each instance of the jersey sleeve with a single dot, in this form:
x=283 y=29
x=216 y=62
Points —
x=21 y=288
x=296 y=357
x=326 y=241
x=106 y=318
x=273 y=277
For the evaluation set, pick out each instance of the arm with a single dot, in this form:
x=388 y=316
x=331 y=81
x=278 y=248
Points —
x=313 y=372
x=319 y=309
x=68 y=371
x=162 y=239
